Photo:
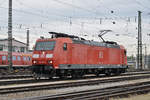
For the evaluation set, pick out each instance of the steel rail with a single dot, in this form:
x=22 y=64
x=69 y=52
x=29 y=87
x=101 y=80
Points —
x=23 y=81
x=14 y=76
x=98 y=94
x=68 y=84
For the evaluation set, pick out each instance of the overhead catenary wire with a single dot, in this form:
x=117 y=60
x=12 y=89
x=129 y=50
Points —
x=139 y=3
x=88 y=24
x=41 y=12
x=44 y=16
x=27 y=12
x=75 y=6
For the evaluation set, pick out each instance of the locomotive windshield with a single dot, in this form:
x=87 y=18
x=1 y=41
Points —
x=45 y=45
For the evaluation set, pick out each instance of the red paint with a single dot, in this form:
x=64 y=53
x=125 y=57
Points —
x=80 y=54
x=16 y=62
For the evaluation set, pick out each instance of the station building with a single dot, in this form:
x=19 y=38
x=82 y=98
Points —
x=18 y=46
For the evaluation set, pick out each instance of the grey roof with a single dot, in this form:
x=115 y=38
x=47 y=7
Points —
x=14 y=40
x=94 y=43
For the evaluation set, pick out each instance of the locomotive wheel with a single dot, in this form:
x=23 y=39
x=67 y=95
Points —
x=97 y=74
x=62 y=77
x=117 y=73
x=107 y=72
x=35 y=76
x=50 y=78
x=51 y=74
x=77 y=74
x=73 y=76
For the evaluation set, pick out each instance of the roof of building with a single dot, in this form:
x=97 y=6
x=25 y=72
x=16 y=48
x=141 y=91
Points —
x=14 y=40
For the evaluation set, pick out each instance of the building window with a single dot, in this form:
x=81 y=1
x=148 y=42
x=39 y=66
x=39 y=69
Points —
x=14 y=48
x=22 y=49
x=1 y=47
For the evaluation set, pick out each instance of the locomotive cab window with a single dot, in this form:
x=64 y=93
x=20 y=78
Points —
x=65 y=46
x=45 y=45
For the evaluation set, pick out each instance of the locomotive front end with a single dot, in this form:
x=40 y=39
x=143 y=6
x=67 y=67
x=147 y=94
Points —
x=43 y=58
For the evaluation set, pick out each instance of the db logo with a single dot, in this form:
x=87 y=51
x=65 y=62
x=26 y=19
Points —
x=42 y=55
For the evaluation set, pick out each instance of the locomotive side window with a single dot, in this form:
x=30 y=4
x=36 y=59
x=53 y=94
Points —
x=14 y=58
x=3 y=57
x=65 y=46
x=45 y=45
x=24 y=58
x=19 y=58
x=28 y=58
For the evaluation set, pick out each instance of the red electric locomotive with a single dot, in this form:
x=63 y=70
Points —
x=19 y=60
x=67 y=55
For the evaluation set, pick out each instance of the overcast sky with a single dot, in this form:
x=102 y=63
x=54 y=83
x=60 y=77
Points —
x=78 y=17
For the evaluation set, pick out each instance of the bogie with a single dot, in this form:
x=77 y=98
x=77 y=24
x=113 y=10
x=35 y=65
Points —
x=74 y=73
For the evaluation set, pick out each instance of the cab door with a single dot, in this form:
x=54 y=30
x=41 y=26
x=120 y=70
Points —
x=65 y=53
x=69 y=53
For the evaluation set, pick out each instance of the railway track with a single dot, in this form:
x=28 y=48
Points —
x=98 y=94
x=51 y=85
x=14 y=76
x=29 y=79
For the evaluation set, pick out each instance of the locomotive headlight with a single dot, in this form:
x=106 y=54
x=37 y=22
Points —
x=34 y=62
x=49 y=55
x=35 y=56
x=50 y=62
